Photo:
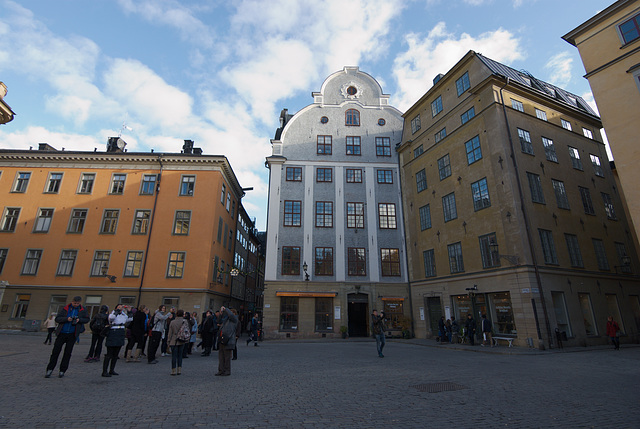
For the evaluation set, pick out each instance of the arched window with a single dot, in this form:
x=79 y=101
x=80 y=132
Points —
x=352 y=118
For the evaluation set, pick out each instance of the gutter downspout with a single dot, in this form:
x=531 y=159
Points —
x=406 y=255
x=153 y=215
x=528 y=229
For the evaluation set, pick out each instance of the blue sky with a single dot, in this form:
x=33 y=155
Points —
x=219 y=72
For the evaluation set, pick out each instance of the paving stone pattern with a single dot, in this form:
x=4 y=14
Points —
x=332 y=384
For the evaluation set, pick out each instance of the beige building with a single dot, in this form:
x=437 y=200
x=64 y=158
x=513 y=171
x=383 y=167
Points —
x=6 y=114
x=609 y=45
x=511 y=210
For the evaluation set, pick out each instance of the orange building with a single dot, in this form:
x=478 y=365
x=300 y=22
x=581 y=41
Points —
x=114 y=227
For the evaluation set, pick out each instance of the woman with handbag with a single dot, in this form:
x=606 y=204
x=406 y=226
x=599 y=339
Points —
x=613 y=332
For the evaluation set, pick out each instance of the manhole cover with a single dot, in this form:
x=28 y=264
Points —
x=438 y=387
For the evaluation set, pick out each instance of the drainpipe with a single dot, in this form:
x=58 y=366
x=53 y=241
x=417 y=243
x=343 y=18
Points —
x=153 y=215
x=528 y=230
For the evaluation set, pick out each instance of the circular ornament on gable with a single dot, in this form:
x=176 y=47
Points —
x=324 y=120
x=351 y=90
x=381 y=122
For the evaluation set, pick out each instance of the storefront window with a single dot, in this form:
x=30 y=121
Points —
x=462 y=307
x=587 y=314
x=503 y=321
x=560 y=308
x=323 y=314
x=288 y=313
x=392 y=312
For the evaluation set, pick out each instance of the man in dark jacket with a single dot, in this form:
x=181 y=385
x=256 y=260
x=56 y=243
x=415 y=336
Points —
x=71 y=320
x=471 y=328
x=206 y=332
x=138 y=331
x=227 y=340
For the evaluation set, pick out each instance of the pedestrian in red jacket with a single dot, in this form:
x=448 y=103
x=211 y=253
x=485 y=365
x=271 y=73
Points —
x=613 y=331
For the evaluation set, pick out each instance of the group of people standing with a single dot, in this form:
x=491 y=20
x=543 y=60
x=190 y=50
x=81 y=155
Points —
x=174 y=330
x=449 y=330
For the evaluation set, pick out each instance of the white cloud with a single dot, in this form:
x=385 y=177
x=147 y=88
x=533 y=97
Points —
x=560 y=66
x=516 y=3
x=440 y=50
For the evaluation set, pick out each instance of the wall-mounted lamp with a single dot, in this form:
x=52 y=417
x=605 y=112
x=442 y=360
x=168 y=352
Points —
x=306 y=274
x=494 y=249
x=104 y=270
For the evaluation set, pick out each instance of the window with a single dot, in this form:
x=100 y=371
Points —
x=175 y=267
x=525 y=141
x=425 y=217
x=292 y=213
x=621 y=250
x=148 y=184
x=587 y=133
x=353 y=145
x=586 y=201
x=324 y=175
x=387 y=216
x=480 y=193
x=324 y=145
x=541 y=114
x=574 y=250
x=449 y=207
x=355 y=215
x=182 y=222
x=223 y=193
x=490 y=257
x=228 y=205
x=393 y=311
x=535 y=186
x=10 y=219
x=100 y=259
x=187 y=185
x=224 y=237
x=444 y=167
x=109 y=221
x=418 y=151
x=92 y=303
x=456 y=263
x=133 y=265
x=517 y=105
x=436 y=106
x=548 y=247
x=31 y=262
x=429 y=263
x=53 y=184
x=294 y=174
x=463 y=84
x=21 y=305
x=421 y=180
x=597 y=167
x=57 y=302
x=290 y=261
x=383 y=146
x=440 y=135
x=590 y=326
x=352 y=118
x=384 y=176
x=608 y=206
x=390 y=262
x=117 y=184
x=67 y=262
x=560 y=309
x=381 y=122
x=324 y=261
x=324 y=214
x=356 y=261
x=3 y=258
x=324 y=120
x=21 y=183
x=566 y=124
x=601 y=255
x=474 y=153
x=630 y=30
x=561 y=194
x=324 y=314
x=76 y=221
x=288 y=313
x=141 y=222
x=549 y=150
x=415 y=124
x=467 y=116
x=575 y=158
x=354 y=175
x=86 y=183
x=43 y=220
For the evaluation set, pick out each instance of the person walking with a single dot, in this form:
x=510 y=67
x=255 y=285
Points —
x=613 y=332
x=50 y=324
x=115 y=339
x=227 y=341
x=176 y=340
x=98 y=322
x=253 y=332
x=157 y=333
x=70 y=320
x=471 y=328
x=377 y=325
x=485 y=325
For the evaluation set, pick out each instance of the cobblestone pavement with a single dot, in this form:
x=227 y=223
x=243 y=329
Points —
x=332 y=384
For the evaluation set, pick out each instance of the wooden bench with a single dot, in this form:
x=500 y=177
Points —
x=509 y=339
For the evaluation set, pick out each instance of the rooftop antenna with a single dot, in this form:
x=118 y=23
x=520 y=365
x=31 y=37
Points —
x=124 y=127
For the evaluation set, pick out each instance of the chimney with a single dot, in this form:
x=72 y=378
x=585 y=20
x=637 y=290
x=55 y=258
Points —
x=187 y=147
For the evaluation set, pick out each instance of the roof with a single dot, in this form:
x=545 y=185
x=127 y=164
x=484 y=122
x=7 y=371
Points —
x=571 y=36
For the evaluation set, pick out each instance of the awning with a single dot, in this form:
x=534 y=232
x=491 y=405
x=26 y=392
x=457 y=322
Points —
x=393 y=298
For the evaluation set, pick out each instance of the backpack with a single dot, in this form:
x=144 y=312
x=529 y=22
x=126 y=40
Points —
x=184 y=334
x=98 y=324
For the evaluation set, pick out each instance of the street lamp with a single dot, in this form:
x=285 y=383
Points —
x=494 y=249
x=304 y=267
x=104 y=270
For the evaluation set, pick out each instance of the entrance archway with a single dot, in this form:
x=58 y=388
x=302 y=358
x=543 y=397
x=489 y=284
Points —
x=358 y=312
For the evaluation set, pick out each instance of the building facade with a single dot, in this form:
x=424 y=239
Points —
x=609 y=45
x=6 y=114
x=335 y=248
x=511 y=210
x=114 y=227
